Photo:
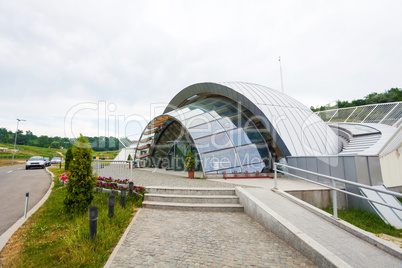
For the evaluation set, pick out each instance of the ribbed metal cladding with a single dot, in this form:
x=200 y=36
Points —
x=294 y=127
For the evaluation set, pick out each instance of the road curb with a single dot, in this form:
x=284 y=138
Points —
x=7 y=234
x=123 y=237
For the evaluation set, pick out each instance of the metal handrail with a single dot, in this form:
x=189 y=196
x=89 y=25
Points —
x=333 y=187
x=117 y=171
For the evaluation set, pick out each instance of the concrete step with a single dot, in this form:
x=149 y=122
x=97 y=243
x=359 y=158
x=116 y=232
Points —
x=228 y=199
x=194 y=206
x=190 y=191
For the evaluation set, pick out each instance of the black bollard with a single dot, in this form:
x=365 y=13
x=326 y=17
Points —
x=110 y=203
x=123 y=197
x=93 y=221
x=130 y=188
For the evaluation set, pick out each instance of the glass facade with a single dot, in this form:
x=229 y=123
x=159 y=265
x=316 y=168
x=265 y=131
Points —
x=222 y=134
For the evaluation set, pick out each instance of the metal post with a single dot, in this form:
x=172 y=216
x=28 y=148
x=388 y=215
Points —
x=275 y=176
x=131 y=170
x=130 y=188
x=334 y=201
x=93 y=221
x=26 y=204
x=123 y=197
x=110 y=203
x=15 y=140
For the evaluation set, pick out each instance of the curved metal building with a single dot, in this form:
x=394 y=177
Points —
x=233 y=127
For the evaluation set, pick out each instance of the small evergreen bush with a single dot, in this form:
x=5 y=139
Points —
x=81 y=181
x=69 y=159
x=189 y=163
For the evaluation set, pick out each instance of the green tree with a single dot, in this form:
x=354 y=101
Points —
x=69 y=159
x=81 y=181
x=55 y=144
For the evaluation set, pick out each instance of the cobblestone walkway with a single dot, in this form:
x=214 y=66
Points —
x=147 y=178
x=161 y=238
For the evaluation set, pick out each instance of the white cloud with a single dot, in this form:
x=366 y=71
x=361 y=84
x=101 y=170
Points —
x=57 y=54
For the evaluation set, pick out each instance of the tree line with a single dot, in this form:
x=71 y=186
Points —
x=98 y=144
x=392 y=95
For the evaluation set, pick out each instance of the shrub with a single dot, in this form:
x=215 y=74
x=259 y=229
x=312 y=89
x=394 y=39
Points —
x=69 y=159
x=81 y=181
x=189 y=163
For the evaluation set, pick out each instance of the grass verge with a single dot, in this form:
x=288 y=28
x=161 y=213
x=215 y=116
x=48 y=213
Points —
x=367 y=221
x=52 y=238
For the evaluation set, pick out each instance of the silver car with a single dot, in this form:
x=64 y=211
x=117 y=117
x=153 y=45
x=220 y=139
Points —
x=56 y=160
x=35 y=161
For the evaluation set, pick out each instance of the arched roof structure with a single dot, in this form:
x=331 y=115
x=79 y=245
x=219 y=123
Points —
x=295 y=128
x=235 y=127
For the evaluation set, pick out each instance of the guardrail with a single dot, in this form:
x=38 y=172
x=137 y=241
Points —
x=115 y=169
x=333 y=181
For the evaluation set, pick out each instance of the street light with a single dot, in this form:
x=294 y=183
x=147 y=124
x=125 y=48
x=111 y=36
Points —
x=15 y=141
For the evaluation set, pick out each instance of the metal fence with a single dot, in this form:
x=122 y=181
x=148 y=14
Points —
x=116 y=169
x=383 y=113
x=332 y=185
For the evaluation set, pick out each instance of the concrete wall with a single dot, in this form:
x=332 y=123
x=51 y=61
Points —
x=391 y=169
x=361 y=169
x=320 y=198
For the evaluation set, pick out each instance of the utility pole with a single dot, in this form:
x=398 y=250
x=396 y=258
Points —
x=280 y=67
x=15 y=141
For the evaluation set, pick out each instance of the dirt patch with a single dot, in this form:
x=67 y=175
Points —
x=11 y=251
x=393 y=239
x=7 y=162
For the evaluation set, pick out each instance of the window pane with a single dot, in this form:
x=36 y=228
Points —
x=205 y=129
x=198 y=120
x=224 y=159
x=239 y=137
x=213 y=143
x=249 y=154
x=254 y=167
x=226 y=123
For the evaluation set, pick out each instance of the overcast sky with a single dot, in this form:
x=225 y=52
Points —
x=64 y=64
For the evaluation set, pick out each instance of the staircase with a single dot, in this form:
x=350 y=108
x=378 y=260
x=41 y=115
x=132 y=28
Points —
x=194 y=199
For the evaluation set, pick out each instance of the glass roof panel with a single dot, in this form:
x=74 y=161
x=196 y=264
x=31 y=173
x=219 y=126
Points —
x=239 y=137
x=213 y=143
x=249 y=154
x=205 y=129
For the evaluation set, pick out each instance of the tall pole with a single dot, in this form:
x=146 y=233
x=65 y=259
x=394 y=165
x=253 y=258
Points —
x=15 y=141
x=280 y=67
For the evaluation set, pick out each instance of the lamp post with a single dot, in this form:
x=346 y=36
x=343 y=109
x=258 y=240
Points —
x=15 y=141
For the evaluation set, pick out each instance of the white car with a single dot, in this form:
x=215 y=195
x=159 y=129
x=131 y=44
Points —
x=35 y=161
x=55 y=160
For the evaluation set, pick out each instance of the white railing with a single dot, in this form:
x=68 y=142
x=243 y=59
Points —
x=115 y=169
x=382 y=113
x=333 y=181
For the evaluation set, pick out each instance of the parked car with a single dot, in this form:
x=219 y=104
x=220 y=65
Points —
x=35 y=161
x=55 y=160
x=47 y=160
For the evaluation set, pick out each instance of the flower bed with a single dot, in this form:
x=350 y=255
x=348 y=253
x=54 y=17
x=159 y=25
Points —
x=63 y=179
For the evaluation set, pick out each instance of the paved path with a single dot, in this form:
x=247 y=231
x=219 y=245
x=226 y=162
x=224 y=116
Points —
x=165 y=238
x=15 y=181
x=206 y=239
x=343 y=244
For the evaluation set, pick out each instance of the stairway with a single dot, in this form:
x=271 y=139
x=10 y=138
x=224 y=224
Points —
x=194 y=199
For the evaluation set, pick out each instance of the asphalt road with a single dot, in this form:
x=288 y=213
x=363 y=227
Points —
x=15 y=182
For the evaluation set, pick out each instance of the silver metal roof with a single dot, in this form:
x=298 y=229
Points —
x=295 y=128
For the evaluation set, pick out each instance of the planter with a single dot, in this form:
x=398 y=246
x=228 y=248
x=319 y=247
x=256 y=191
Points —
x=106 y=191
x=191 y=174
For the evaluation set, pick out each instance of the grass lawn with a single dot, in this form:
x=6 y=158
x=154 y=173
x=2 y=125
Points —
x=367 y=221
x=52 y=238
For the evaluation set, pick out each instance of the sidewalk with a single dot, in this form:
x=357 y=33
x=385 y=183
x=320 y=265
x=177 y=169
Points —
x=189 y=239
x=346 y=246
